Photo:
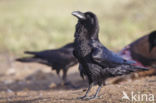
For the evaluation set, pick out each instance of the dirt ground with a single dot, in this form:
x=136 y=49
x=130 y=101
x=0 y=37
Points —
x=35 y=83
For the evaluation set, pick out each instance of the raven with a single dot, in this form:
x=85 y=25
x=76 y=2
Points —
x=58 y=59
x=97 y=63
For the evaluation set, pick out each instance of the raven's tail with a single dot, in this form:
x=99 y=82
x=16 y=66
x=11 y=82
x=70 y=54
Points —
x=32 y=59
x=139 y=68
x=136 y=75
x=30 y=52
x=26 y=59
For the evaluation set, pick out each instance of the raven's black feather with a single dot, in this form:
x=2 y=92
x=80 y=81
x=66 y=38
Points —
x=97 y=62
x=58 y=59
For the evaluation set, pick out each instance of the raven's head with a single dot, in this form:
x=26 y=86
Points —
x=87 y=23
x=152 y=40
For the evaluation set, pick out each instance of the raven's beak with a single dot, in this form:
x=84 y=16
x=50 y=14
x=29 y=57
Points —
x=79 y=15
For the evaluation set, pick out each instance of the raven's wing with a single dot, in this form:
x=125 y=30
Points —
x=106 y=58
x=124 y=69
x=56 y=56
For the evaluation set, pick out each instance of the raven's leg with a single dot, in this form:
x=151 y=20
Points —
x=58 y=74
x=86 y=95
x=96 y=94
x=64 y=77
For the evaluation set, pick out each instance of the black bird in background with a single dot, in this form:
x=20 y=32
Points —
x=143 y=50
x=57 y=59
x=97 y=63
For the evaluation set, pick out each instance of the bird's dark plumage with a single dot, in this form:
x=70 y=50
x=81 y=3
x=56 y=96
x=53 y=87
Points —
x=58 y=59
x=97 y=63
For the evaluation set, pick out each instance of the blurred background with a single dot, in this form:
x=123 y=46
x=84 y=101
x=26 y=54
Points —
x=36 y=25
x=46 y=24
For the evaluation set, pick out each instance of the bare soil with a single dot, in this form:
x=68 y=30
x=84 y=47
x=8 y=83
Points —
x=35 y=83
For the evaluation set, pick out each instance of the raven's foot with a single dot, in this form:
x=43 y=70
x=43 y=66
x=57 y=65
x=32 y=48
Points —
x=83 y=97
x=92 y=97
x=67 y=83
x=88 y=98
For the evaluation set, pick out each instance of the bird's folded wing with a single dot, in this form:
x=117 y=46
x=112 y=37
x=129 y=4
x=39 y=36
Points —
x=106 y=58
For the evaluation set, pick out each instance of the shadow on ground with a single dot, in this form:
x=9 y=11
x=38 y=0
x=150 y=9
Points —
x=43 y=81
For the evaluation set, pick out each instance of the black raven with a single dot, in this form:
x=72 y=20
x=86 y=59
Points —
x=97 y=63
x=58 y=59
x=142 y=50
